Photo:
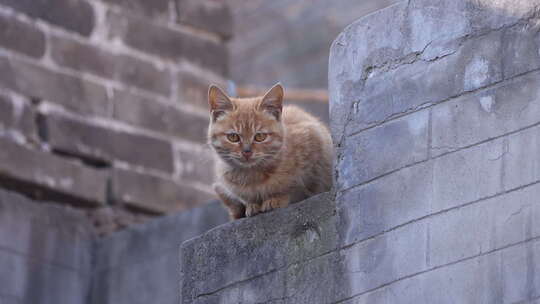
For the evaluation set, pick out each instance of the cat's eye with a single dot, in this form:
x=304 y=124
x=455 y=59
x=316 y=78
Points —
x=233 y=137
x=260 y=137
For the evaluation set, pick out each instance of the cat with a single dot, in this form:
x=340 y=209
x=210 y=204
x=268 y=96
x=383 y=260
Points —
x=267 y=156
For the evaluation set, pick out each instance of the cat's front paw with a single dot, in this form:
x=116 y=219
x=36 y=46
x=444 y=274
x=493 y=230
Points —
x=274 y=203
x=252 y=209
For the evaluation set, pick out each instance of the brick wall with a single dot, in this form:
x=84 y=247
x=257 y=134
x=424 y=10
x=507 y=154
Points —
x=435 y=118
x=103 y=103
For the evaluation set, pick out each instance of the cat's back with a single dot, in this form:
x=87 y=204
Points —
x=306 y=132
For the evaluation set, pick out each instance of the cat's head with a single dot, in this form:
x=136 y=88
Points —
x=246 y=132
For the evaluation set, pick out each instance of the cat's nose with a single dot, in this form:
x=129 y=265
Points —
x=247 y=153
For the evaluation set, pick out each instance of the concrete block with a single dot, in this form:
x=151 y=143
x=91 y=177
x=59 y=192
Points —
x=468 y=66
x=467 y=175
x=252 y=247
x=484 y=226
x=383 y=149
x=145 y=242
x=521 y=162
x=264 y=289
x=470 y=119
x=506 y=276
x=47 y=233
x=385 y=203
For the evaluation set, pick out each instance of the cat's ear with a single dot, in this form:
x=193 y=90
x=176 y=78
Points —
x=218 y=101
x=272 y=101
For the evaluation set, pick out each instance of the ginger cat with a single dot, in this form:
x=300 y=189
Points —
x=268 y=156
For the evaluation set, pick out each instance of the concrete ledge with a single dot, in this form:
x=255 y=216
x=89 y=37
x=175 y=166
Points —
x=258 y=249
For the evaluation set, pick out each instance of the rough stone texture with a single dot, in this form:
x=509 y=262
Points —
x=138 y=191
x=436 y=129
x=256 y=247
x=45 y=252
x=98 y=143
x=77 y=16
x=43 y=175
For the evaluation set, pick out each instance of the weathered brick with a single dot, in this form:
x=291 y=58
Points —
x=196 y=164
x=475 y=64
x=21 y=37
x=521 y=162
x=169 y=43
x=382 y=149
x=40 y=83
x=193 y=89
x=77 y=16
x=44 y=175
x=152 y=9
x=467 y=175
x=211 y=15
x=484 y=226
x=167 y=119
x=105 y=145
x=385 y=203
x=123 y=68
x=139 y=191
x=494 y=112
x=17 y=115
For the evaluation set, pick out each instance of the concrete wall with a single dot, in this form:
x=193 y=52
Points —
x=435 y=117
x=103 y=103
x=45 y=252
x=51 y=253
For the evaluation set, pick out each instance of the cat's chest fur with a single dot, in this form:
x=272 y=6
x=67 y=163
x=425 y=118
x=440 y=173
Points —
x=256 y=185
